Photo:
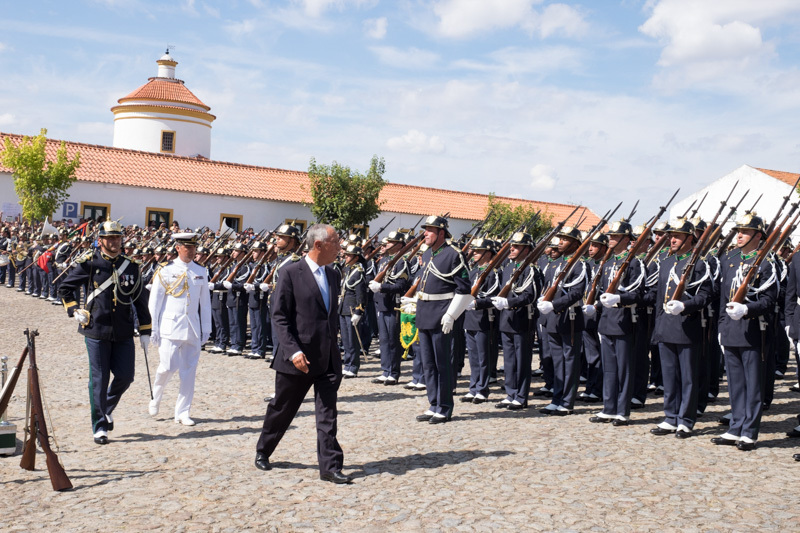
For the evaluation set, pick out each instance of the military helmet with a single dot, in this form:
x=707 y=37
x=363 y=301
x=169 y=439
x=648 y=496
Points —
x=750 y=221
x=353 y=249
x=110 y=228
x=787 y=244
x=699 y=224
x=681 y=225
x=172 y=250
x=482 y=244
x=201 y=250
x=137 y=251
x=661 y=227
x=258 y=245
x=395 y=236
x=222 y=252
x=554 y=242
x=600 y=238
x=161 y=249
x=354 y=239
x=437 y=222
x=570 y=233
x=147 y=250
x=238 y=247
x=521 y=238
x=621 y=227
x=289 y=230
x=63 y=231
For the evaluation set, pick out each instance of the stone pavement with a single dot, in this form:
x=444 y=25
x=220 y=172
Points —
x=486 y=470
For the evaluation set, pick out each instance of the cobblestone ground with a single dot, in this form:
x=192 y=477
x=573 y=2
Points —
x=487 y=470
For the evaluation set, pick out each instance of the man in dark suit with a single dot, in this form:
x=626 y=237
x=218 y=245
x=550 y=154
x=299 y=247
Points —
x=306 y=324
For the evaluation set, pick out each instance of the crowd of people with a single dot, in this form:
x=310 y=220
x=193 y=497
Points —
x=610 y=327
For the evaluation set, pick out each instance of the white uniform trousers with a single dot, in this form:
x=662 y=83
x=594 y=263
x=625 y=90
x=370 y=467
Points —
x=180 y=356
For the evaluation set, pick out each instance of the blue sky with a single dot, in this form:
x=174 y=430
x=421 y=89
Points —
x=582 y=102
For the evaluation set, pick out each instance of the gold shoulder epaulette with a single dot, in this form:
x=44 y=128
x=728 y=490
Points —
x=84 y=256
x=295 y=257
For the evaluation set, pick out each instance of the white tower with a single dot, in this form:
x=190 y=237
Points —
x=163 y=116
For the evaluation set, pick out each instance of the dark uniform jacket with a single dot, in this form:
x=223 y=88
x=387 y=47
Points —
x=521 y=298
x=760 y=299
x=111 y=310
x=353 y=293
x=619 y=320
x=792 y=316
x=480 y=318
x=395 y=284
x=569 y=293
x=443 y=271
x=685 y=328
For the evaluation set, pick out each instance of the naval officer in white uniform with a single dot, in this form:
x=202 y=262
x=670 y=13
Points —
x=180 y=304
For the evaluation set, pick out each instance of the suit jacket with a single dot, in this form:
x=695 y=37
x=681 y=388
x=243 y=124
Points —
x=301 y=321
x=185 y=314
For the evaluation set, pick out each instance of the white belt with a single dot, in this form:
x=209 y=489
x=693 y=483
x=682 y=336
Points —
x=798 y=301
x=425 y=297
x=107 y=282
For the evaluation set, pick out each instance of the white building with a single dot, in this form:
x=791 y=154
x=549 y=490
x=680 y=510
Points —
x=771 y=185
x=159 y=170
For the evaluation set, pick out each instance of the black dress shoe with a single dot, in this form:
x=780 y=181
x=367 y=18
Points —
x=561 y=412
x=390 y=382
x=336 y=477
x=547 y=412
x=502 y=405
x=795 y=388
x=479 y=400
x=262 y=462
x=617 y=423
x=378 y=381
x=722 y=441
x=101 y=440
x=796 y=457
x=746 y=446
x=466 y=399
x=600 y=420
x=661 y=431
x=637 y=405
x=517 y=407
x=724 y=421
x=793 y=434
x=424 y=417
x=682 y=434
x=439 y=419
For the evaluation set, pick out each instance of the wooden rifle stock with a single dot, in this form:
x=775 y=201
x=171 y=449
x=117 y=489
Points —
x=591 y=298
x=239 y=264
x=498 y=258
x=415 y=243
x=38 y=428
x=577 y=255
x=785 y=234
x=13 y=377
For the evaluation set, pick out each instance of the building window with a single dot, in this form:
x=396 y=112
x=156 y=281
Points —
x=95 y=210
x=301 y=224
x=168 y=141
x=232 y=221
x=158 y=215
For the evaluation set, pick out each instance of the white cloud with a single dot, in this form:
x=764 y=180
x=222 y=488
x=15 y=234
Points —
x=543 y=177
x=240 y=29
x=466 y=18
x=7 y=119
x=720 y=44
x=513 y=60
x=376 y=28
x=3 y=46
x=411 y=58
x=416 y=142
x=316 y=8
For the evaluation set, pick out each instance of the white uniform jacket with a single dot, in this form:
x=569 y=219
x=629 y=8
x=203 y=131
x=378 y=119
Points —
x=180 y=302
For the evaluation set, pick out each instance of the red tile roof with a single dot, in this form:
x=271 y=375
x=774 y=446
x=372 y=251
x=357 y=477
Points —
x=787 y=177
x=166 y=91
x=104 y=164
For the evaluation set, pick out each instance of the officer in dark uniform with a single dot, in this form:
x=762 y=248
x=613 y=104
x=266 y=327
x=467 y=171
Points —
x=443 y=295
x=679 y=331
x=237 y=301
x=352 y=298
x=386 y=298
x=744 y=332
x=591 y=339
x=516 y=314
x=219 y=300
x=257 y=304
x=792 y=317
x=545 y=265
x=107 y=321
x=479 y=319
x=563 y=324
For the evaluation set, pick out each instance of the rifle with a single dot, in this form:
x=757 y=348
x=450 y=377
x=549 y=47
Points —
x=264 y=257
x=592 y=296
x=472 y=237
x=696 y=209
x=687 y=210
x=785 y=201
x=644 y=237
x=374 y=235
x=498 y=258
x=8 y=388
x=417 y=224
x=399 y=255
x=786 y=232
x=533 y=255
x=38 y=426
x=577 y=256
x=688 y=268
x=718 y=229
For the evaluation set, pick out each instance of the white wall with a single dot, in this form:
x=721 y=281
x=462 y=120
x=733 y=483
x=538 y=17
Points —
x=144 y=134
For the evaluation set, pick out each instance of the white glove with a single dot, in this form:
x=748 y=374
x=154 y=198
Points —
x=675 y=307
x=211 y=285
x=148 y=286
x=545 y=307
x=589 y=311
x=447 y=323
x=144 y=341
x=355 y=319
x=471 y=306
x=736 y=310
x=264 y=287
x=227 y=284
x=374 y=286
x=609 y=300
x=500 y=303
x=249 y=287
x=787 y=332
x=155 y=338
x=81 y=316
x=408 y=305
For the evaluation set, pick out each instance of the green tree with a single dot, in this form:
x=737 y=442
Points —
x=40 y=184
x=502 y=216
x=343 y=197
